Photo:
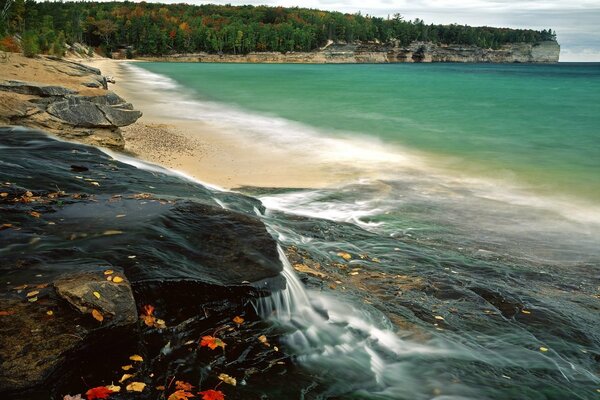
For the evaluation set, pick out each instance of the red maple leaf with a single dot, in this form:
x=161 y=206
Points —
x=212 y=395
x=211 y=342
x=100 y=392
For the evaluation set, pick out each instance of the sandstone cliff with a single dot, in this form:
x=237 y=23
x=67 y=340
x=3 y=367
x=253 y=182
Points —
x=543 y=52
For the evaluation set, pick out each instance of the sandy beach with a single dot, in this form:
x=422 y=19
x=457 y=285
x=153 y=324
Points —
x=206 y=152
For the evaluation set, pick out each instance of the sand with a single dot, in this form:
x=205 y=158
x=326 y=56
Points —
x=206 y=152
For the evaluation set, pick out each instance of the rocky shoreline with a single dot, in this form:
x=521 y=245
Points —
x=65 y=98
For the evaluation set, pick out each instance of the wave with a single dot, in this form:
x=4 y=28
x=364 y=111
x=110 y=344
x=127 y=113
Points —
x=357 y=155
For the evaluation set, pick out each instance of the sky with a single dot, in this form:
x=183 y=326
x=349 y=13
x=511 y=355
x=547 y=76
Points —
x=576 y=22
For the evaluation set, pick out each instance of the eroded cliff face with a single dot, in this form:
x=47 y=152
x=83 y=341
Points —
x=543 y=52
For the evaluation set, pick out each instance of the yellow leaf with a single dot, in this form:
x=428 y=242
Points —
x=50 y=312
x=95 y=183
x=35 y=214
x=97 y=295
x=117 y=279
x=263 y=340
x=136 y=358
x=33 y=299
x=108 y=272
x=543 y=349
x=33 y=293
x=126 y=367
x=438 y=317
x=125 y=377
x=97 y=315
x=114 y=388
x=111 y=232
x=238 y=320
x=109 y=278
x=136 y=387
x=344 y=255
x=526 y=312
x=228 y=379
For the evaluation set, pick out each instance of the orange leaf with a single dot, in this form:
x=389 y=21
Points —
x=238 y=320
x=180 y=395
x=212 y=395
x=35 y=214
x=212 y=342
x=97 y=315
x=181 y=385
x=5 y=313
x=148 y=309
x=100 y=392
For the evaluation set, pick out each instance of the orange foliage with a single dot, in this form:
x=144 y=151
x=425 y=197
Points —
x=212 y=342
x=212 y=395
x=8 y=43
x=100 y=392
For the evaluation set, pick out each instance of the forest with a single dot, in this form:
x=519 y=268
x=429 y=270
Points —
x=160 y=29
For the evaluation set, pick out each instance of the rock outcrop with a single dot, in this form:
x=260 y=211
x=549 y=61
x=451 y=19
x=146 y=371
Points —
x=543 y=52
x=83 y=109
x=69 y=302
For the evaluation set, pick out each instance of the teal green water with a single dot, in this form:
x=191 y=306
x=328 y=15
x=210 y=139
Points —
x=536 y=124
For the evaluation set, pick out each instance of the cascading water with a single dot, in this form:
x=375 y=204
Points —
x=346 y=344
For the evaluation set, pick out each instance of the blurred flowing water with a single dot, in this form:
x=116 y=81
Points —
x=469 y=266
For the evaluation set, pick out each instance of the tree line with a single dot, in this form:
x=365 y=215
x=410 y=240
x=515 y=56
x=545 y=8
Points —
x=159 y=29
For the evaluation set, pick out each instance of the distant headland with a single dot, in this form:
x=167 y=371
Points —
x=214 y=33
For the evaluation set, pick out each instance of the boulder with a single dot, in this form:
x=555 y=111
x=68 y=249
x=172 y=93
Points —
x=34 y=89
x=79 y=112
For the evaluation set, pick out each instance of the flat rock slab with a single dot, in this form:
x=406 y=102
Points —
x=79 y=112
x=34 y=89
x=92 y=291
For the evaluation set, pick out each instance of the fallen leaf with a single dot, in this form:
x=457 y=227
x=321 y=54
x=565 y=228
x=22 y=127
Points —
x=100 y=392
x=108 y=272
x=69 y=397
x=136 y=358
x=50 y=313
x=263 y=340
x=28 y=194
x=6 y=313
x=5 y=226
x=114 y=388
x=3 y=194
x=148 y=309
x=33 y=293
x=126 y=367
x=180 y=395
x=97 y=315
x=120 y=216
x=238 y=320
x=136 y=387
x=109 y=278
x=33 y=299
x=212 y=395
x=117 y=279
x=125 y=377
x=526 y=312
x=96 y=294
x=344 y=255
x=35 y=214
x=182 y=385
x=161 y=387
x=439 y=317
x=95 y=183
x=212 y=342
x=111 y=232
x=543 y=349
x=227 y=379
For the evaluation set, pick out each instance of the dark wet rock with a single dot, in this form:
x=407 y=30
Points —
x=92 y=84
x=79 y=168
x=200 y=265
x=120 y=116
x=35 y=89
x=90 y=291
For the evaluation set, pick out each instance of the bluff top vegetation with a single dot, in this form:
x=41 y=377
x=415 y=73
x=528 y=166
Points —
x=157 y=29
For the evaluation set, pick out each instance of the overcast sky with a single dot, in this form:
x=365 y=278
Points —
x=577 y=22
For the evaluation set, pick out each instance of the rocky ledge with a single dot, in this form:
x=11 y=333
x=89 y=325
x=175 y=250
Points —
x=80 y=108
x=112 y=274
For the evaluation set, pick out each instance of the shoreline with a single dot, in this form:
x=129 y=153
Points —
x=210 y=153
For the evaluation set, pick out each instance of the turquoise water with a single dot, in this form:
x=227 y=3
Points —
x=536 y=124
x=484 y=213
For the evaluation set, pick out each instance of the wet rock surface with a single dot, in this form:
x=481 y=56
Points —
x=85 y=250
